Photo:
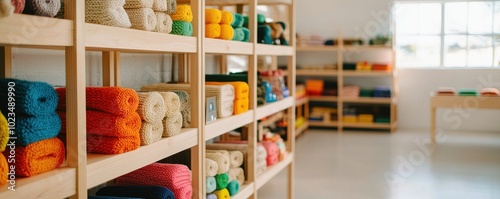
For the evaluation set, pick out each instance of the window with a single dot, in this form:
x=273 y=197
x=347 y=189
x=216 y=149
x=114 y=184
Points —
x=448 y=34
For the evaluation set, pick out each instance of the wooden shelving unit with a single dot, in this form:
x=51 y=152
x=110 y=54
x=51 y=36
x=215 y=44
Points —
x=75 y=37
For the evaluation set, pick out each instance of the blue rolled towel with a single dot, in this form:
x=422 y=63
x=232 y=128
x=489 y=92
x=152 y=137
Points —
x=148 y=192
x=31 y=98
x=233 y=187
x=31 y=129
x=211 y=196
x=211 y=184
x=110 y=197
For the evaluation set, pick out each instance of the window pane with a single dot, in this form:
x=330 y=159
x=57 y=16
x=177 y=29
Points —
x=455 y=50
x=421 y=18
x=480 y=17
x=480 y=51
x=497 y=52
x=429 y=18
x=497 y=17
x=406 y=16
x=455 y=19
x=419 y=51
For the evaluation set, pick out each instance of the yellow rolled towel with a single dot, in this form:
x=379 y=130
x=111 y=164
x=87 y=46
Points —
x=172 y=125
x=211 y=167
x=212 y=30
x=142 y=18
x=183 y=13
x=226 y=32
x=172 y=103
x=163 y=23
x=241 y=106
x=4 y=132
x=212 y=16
x=151 y=107
x=222 y=194
x=160 y=5
x=236 y=158
x=237 y=174
x=241 y=89
x=108 y=13
x=150 y=132
x=227 y=17
x=222 y=161
x=138 y=4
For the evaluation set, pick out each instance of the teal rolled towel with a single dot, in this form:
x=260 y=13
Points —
x=238 y=35
x=182 y=28
x=238 y=20
x=222 y=181
x=30 y=129
x=137 y=192
x=211 y=196
x=31 y=98
x=264 y=35
x=261 y=19
x=233 y=187
x=247 y=34
x=211 y=184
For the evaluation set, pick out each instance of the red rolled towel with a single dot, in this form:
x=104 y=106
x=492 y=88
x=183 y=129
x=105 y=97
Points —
x=175 y=177
x=112 y=145
x=18 y=5
x=100 y=123
x=38 y=157
x=114 y=100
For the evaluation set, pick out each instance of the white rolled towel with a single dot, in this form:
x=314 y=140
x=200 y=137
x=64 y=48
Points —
x=222 y=161
x=236 y=174
x=142 y=18
x=108 y=13
x=236 y=158
x=211 y=167
x=172 y=125
x=150 y=132
x=138 y=4
x=151 y=107
x=172 y=103
x=164 y=23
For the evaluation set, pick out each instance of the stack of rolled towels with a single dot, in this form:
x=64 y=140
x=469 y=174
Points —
x=240 y=33
x=241 y=95
x=182 y=19
x=173 y=121
x=162 y=10
x=218 y=24
x=261 y=165
x=222 y=173
x=107 y=12
x=113 y=123
x=141 y=14
x=152 y=110
x=36 y=147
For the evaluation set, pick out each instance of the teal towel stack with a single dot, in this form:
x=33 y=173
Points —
x=136 y=192
x=240 y=33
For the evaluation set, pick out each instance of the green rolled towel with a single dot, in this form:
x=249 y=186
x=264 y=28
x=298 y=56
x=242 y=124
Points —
x=467 y=92
x=238 y=35
x=247 y=34
x=182 y=28
x=211 y=184
x=264 y=35
x=261 y=19
x=237 y=21
x=222 y=180
x=233 y=187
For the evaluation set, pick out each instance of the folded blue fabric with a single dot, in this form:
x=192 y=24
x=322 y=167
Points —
x=211 y=184
x=110 y=197
x=31 y=98
x=147 y=192
x=31 y=129
x=211 y=196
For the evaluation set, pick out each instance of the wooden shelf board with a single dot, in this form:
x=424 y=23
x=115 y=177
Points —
x=318 y=48
x=246 y=190
x=267 y=49
x=316 y=72
x=224 y=125
x=368 y=126
x=20 y=29
x=301 y=101
x=366 y=73
x=323 y=124
x=102 y=168
x=301 y=129
x=368 y=100
x=465 y=101
x=219 y=46
x=274 y=107
x=59 y=183
x=366 y=48
x=273 y=171
x=99 y=37
x=323 y=98
x=238 y=2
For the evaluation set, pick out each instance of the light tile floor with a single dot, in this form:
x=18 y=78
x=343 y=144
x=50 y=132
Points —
x=379 y=165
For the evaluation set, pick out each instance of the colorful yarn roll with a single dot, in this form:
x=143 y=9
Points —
x=211 y=168
x=171 y=6
x=239 y=35
x=236 y=159
x=163 y=23
x=172 y=125
x=211 y=184
x=100 y=123
x=227 y=17
x=246 y=31
x=237 y=20
x=233 y=187
x=211 y=196
x=31 y=98
x=212 y=16
x=241 y=106
x=138 y=4
x=183 y=13
x=222 y=180
x=175 y=177
x=47 y=8
x=6 y=8
x=226 y=32
x=222 y=194
x=150 y=133
x=222 y=162
x=142 y=18
x=151 y=107
x=237 y=174
x=160 y=5
x=137 y=191
x=112 y=145
x=4 y=169
x=185 y=109
x=39 y=157
x=108 y=13
x=172 y=103
x=212 y=30
x=113 y=100
x=4 y=132
x=182 y=28
x=30 y=129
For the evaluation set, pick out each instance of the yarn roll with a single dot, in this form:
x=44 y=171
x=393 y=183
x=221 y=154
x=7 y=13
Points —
x=236 y=158
x=46 y=8
x=4 y=169
x=211 y=168
x=136 y=192
x=182 y=28
x=171 y=6
x=213 y=16
x=100 y=123
x=222 y=180
x=237 y=174
x=183 y=13
x=237 y=20
x=39 y=157
x=233 y=187
x=112 y=145
x=241 y=106
x=31 y=98
x=164 y=23
x=138 y=4
x=211 y=196
x=160 y=5
x=212 y=30
x=226 y=32
x=151 y=107
x=4 y=132
x=6 y=9
x=211 y=184
x=108 y=13
x=239 y=35
x=142 y=18
x=30 y=129
x=172 y=125
x=150 y=133
x=172 y=103
x=222 y=161
x=222 y=194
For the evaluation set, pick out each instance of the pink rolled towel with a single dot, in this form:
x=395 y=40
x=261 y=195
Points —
x=272 y=152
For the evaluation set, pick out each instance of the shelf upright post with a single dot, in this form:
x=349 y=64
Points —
x=110 y=68
x=6 y=61
x=291 y=68
x=252 y=82
x=340 y=82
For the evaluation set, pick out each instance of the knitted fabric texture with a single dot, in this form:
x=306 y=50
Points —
x=239 y=35
x=18 y=5
x=271 y=148
x=237 y=20
x=264 y=34
x=136 y=191
x=163 y=23
x=261 y=167
x=100 y=123
x=175 y=177
x=493 y=92
x=222 y=161
x=4 y=132
x=138 y=4
x=39 y=157
x=182 y=28
x=30 y=129
x=47 y=8
x=183 y=13
x=226 y=32
x=142 y=18
x=171 y=6
x=211 y=184
x=151 y=107
x=4 y=169
x=212 y=30
x=212 y=16
x=114 y=100
x=242 y=147
x=60 y=13
x=237 y=174
x=150 y=132
x=185 y=109
x=221 y=180
x=211 y=196
x=241 y=106
x=227 y=17
x=222 y=194
x=236 y=158
x=211 y=168
x=246 y=31
x=261 y=152
x=172 y=103
x=108 y=13
x=6 y=9
x=172 y=125
x=160 y=5
x=31 y=98
x=111 y=145
x=233 y=187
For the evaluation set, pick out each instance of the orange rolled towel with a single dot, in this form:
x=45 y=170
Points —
x=226 y=32
x=39 y=157
x=112 y=145
x=241 y=106
x=100 y=123
x=241 y=89
x=4 y=169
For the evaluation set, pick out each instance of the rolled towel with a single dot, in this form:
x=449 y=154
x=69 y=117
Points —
x=225 y=96
x=241 y=89
x=212 y=16
x=137 y=192
x=237 y=174
x=223 y=152
x=261 y=167
x=172 y=103
x=261 y=152
x=151 y=107
x=236 y=158
x=142 y=18
x=6 y=8
x=108 y=13
x=171 y=6
x=172 y=125
x=164 y=23
x=246 y=31
x=150 y=132
x=4 y=169
x=226 y=32
x=47 y=8
x=233 y=187
x=160 y=5
x=138 y=4
x=39 y=157
x=227 y=17
x=264 y=34
x=175 y=177
x=222 y=180
x=4 y=132
x=31 y=98
x=212 y=30
x=18 y=5
x=239 y=35
x=114 y=100
x=237 y=20
x=211 y=184
x=222 y=162
x=211 y=196
x=211 y=168
x=222 y=194
x=30 y=129
x=100 y=123
x=241 y=106
x=183 y=13
x=182 y=28
x=112 y=145
x=185 y=109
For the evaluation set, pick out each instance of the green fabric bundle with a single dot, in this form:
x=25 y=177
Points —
x=238 y=35
x=183 y=28
x=467 y=92
x=222 y=180
x=238 y=20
